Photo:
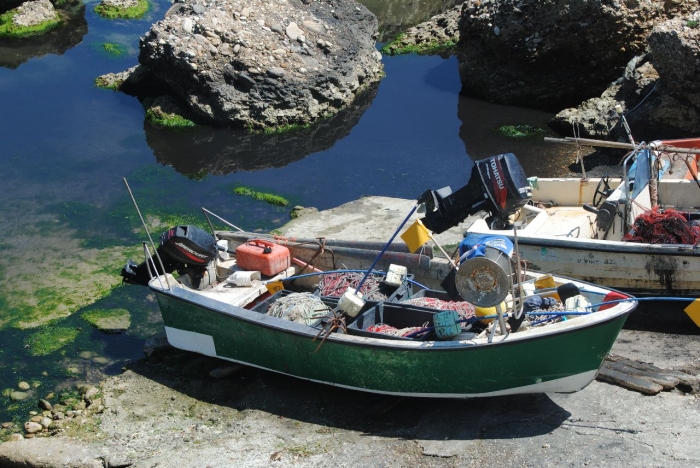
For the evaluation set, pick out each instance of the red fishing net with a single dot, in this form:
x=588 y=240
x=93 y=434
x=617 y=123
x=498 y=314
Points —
x=663 y=226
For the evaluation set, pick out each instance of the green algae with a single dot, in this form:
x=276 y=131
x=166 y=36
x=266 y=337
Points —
x=104 y=83
x=396 y=47
x=161 y=119
x=261 y=196
x=113 y=49
x=112 y=12
x=108 y=319
x=49 y=340
x=519 y=131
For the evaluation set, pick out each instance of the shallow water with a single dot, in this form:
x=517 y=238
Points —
x=65 y=147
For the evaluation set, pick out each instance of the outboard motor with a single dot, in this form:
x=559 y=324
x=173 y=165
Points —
x=187 y=249
x=497 y=185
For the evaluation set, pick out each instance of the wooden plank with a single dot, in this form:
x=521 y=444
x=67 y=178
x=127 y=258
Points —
x=666 y=381
x=682 y=377
x=628 y=381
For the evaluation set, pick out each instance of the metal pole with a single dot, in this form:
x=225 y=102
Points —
x=155 y=250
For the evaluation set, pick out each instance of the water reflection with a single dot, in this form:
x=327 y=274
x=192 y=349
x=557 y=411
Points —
x=14 y=52
x=538 y=158
x=395 y=16
x=198 y=151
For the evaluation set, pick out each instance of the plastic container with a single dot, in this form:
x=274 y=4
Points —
x=547 y=282
x=486 y=311
x=390 y=313
x=446 y=325
x=264 y=256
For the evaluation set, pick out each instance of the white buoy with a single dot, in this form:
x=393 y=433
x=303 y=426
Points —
x=351 y=302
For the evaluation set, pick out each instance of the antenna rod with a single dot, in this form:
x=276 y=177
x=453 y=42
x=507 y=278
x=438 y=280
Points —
x=155 y=250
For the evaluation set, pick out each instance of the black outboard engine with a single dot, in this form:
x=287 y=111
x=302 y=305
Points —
x=497 y=185
x=187 y=249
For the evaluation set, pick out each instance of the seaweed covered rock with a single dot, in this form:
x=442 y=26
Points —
x=257 y=65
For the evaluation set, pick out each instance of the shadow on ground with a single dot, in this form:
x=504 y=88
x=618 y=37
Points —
x=519 y=416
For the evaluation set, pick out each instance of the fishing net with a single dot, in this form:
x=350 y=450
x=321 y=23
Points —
x=335 y=284
x=663 y=226
x=385 y=329
x=464 y=309
x=300 y=308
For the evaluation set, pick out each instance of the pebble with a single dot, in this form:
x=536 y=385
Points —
x=19 y=396
x=31 y=427
x=187 y=25
x=43 y=404
x=23 y=386
x=199 y=9
x=276 y=72
x=16 y=437
x=293 y=31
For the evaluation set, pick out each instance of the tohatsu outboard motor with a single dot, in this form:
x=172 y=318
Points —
x=187 y=249
x=497 y=185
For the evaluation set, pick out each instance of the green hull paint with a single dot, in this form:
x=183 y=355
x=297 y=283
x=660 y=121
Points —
x=436 y=370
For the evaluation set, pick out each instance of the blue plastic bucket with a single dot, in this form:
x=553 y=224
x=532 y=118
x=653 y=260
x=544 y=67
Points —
x=446 y=325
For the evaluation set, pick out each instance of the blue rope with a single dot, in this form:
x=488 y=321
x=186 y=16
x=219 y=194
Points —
x=643 y=299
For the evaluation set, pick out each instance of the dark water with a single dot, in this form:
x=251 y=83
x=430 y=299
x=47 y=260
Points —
x=65 y=146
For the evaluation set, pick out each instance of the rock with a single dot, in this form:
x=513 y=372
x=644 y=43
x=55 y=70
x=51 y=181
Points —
x=156 y=344
x=440 y=29
x=43 y=404
x=299 y=211
x=23 y=386
x=225 y=371
x=32 y=427
x=16 y=437
x=19 y=396
x=564 y=51
x=46 y=422
x=187 y=25
x=658 y=91
x=293 y=31
x=90 y=393
x=218 y=46
x=35 y=12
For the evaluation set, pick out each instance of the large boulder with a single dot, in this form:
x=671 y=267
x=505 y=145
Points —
x=552 y=54
x=258 y=65
x=658 y=92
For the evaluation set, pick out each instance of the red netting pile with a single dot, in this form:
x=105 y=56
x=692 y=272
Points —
x=335 y=284
x=662 y=226
x=465 y=310
x=389 y=330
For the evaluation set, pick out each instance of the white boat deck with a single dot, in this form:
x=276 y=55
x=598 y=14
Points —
x=229 y=293
x=568 y=222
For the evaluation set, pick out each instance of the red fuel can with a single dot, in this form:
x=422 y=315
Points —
x=264 y=256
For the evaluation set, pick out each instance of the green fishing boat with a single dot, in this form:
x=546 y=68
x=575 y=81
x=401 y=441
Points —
x=558 y=357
